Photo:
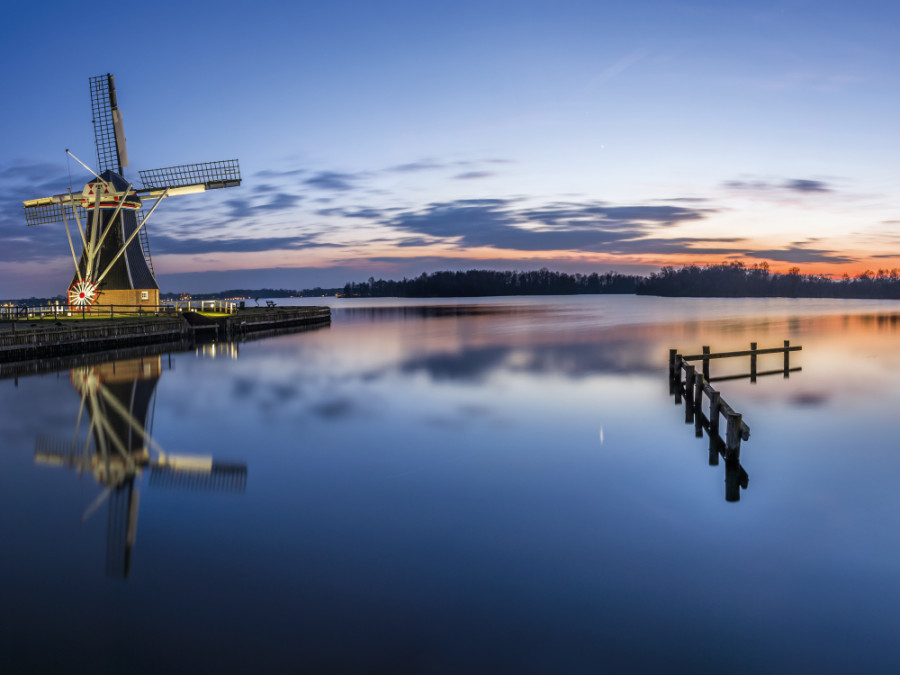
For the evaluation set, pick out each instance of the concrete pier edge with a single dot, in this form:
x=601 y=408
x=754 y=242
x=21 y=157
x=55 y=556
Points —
x=37 y=339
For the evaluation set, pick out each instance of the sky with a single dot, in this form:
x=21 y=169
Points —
x=393 y=138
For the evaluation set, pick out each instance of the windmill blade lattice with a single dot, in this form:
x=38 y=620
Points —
x=211 y=175
x=53 y=212
x=109 y=133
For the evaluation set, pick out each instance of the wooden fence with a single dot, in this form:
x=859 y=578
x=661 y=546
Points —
x=695 y=385
x=62 y=312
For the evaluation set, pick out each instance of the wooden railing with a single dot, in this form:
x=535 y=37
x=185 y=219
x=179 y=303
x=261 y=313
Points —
x=753 y=353
x=62 y=312
x=695 y=385
x=216 y=306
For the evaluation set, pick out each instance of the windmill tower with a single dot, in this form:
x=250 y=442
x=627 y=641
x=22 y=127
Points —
x=115 y=267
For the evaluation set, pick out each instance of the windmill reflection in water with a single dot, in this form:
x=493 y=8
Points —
x=120 y=398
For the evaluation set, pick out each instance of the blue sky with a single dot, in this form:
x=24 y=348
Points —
x=387 y=139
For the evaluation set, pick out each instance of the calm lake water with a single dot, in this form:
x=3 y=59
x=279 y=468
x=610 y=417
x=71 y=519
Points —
x=496 y=485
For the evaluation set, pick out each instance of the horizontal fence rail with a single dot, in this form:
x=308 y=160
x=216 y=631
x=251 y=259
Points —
x=763 y=373
x=753 y=353
x=217 y=306
x=746 y=352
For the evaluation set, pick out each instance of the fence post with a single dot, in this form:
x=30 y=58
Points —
x=714 y=413
x=698 y=403
x=733 y=436
x=787 y=359
x=676 y=381
x=672 y=354
x=732 y=480
x=753 y=363
x=714 y=443
x=688 y=399
x=706 y=362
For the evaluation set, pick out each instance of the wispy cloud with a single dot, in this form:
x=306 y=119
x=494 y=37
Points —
x=242 y=208
x=289 y=173
x=239 y=208
x=333 y=181
x=281 y=202
x=798 y=254
x=31 y=172
x=422 y=165
x=473 y=175
x=505 y=224
x=805 y=185
x=366 y=213
x=165 y=244
x=801 y=185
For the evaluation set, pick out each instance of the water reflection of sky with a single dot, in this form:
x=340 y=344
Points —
x=504 y=487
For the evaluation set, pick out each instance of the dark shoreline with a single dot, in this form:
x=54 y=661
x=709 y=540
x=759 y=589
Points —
x=28 y=340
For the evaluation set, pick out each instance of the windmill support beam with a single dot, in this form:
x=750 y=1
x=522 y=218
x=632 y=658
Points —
x=127 y=416
x=69 y=237
x=131 y=238
x=92 y=270
x=77 y=220
x=86 y=167
x=92 y=248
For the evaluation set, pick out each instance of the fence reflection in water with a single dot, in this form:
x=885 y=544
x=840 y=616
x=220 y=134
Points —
x=692 y=389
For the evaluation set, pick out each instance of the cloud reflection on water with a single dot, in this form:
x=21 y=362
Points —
x=442 y=470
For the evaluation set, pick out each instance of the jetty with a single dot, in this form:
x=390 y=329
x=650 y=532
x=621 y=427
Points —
x=54 y=331
x=691 y=386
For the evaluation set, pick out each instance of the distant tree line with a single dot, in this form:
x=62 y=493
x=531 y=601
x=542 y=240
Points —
x=725 y=280
x=318 y=292
x=486 y=282
x=236 y=293
x=735 y=279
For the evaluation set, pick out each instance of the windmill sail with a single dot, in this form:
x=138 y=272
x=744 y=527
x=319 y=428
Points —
x=215 y=477
x=204 y=176
x=109 y=134
x=49 y=210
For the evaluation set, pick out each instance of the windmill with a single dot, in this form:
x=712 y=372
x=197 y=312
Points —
x=118 y=447
x=115 y=262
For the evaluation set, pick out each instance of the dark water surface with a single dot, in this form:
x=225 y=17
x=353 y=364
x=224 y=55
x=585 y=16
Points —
x=500 y=485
